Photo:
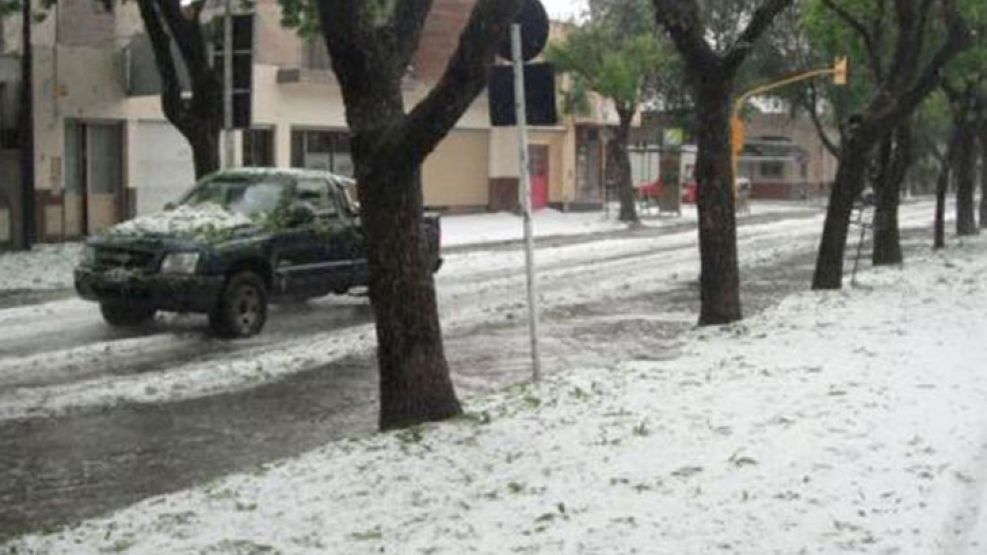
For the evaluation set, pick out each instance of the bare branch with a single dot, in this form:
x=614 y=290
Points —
x=759 y=24
x=464 y=78
x=171 y=89
x=871 y=45
x=811 y=106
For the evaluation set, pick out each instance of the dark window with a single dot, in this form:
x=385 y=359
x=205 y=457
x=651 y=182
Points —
x=772 y=169
x=258 y=148
x=322 y=150
x=316 y=192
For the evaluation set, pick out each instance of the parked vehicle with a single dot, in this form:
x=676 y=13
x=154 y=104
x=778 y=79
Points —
x=741 y=187
x=237 y=240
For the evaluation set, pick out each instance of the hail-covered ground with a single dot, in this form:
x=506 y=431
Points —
x=834 y=422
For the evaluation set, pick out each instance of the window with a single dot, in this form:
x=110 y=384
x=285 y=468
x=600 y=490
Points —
x=322 y=150
x=258 y=148
x=773 y=169
x=316 y=193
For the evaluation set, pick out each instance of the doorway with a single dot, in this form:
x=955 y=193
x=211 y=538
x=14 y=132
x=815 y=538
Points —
x=93 y=177
x=538 y=170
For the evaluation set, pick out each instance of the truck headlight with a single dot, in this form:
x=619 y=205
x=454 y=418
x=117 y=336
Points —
x=180 y=263
x=87 y=257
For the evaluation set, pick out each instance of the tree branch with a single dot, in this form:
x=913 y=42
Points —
x=811 y=107
x=957 y=39
x=409 y=19
x=870 y=45
x=759 y=24
x=171 y=89
x=349 y=41
x=464 y=78
x=681 y=19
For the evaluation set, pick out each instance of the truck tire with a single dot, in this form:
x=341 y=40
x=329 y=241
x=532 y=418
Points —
x=122 y=315
x=242 y=308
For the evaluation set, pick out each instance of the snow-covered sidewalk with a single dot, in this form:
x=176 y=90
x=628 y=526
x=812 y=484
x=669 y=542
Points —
x=848 y=421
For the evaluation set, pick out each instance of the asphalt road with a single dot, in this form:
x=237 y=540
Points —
x=600 y=304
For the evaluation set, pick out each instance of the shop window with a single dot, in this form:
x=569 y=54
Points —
x=773 y=169
x=322 y=150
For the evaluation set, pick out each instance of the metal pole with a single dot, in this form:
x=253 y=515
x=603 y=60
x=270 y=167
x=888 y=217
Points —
x=229 y=147
x=525 y=193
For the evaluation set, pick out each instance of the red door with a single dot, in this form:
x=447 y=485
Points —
x=538 y=169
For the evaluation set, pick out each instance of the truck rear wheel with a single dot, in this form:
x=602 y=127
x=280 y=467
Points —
x=242 y=309
x=122 y=315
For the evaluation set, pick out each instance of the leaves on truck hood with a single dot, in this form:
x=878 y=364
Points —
x=202 y=221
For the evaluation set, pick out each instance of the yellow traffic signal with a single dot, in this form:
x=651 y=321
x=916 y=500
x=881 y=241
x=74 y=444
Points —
x=737 y=135
x=840 y=71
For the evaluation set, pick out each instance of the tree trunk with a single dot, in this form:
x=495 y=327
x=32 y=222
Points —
x=849 y=183
x=26 y=129
x=965 y=172
x=720 y=281
x=942 y=187
x=204 y=141
x=414 y=376
x=896 y=153
x=983 y=175
x=621 y=160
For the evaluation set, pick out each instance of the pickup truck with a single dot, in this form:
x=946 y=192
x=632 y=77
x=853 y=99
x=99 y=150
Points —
x=237 y=240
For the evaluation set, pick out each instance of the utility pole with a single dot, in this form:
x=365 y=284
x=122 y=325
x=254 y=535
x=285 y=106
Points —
x=229 y=147
x=525 y=193
x=26 y=129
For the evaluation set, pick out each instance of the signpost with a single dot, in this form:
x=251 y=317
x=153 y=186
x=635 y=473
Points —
x=524 y=191
x=534 y=102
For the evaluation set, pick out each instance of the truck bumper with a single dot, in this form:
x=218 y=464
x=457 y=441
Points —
x=178 y=293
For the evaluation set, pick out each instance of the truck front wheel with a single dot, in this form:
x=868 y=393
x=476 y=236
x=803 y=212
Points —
x=242 y=308
x=122 y=315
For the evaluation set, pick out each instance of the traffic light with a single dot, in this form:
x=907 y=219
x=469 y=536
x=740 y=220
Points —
x=840 y=71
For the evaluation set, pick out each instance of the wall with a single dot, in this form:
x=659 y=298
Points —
x=822 y=164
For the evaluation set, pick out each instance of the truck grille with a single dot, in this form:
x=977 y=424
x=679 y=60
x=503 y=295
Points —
x=109 y=257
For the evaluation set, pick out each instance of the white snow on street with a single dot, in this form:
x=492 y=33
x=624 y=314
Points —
x=46 y=267
x=50 y=266
x=836 y=422
x=474 y=287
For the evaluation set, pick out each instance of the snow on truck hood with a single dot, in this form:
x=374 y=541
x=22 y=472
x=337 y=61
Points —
x=185 y=221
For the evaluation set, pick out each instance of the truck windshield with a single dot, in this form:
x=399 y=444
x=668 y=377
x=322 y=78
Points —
x=239 y=194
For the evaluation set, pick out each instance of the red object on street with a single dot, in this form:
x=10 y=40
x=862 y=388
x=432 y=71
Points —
x=653 y=190
x=690 y=193
x=539 y=191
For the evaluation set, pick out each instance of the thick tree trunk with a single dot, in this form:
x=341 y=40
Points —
x=849 y=184
x=414 y=376
x=965 y=175
x=621 y=160
x=26 y=130
x=205 y=150
x=720 y=282
x=896 y=153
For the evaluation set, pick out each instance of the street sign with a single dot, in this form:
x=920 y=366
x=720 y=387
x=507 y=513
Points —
x=533 y=20
x=539 y=95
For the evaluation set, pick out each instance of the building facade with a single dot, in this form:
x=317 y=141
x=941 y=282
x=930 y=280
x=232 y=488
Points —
x=104 y=151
